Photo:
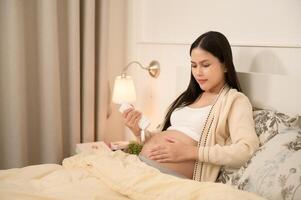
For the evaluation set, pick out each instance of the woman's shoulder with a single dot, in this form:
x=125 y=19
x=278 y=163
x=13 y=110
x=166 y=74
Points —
x=237 y=97
x=235 y=93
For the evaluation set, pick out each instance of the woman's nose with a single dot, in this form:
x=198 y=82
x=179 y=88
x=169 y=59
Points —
x=199 y=70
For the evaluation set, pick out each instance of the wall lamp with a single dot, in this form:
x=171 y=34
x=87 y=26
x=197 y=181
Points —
x=124 y=88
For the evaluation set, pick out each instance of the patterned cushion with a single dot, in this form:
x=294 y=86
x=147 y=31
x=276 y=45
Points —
x=274 y=172
x=268 y=123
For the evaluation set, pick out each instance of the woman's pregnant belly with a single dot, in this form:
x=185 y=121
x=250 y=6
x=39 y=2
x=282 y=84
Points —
x=185 y=168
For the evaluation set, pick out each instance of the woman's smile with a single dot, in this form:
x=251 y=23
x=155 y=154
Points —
x=202 y=81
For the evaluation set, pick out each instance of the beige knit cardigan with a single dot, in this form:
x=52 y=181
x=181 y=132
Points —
x=228 y=137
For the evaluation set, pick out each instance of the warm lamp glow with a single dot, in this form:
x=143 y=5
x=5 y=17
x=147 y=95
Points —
x=124 y=90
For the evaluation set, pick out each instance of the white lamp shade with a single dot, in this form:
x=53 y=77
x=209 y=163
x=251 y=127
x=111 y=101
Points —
x=124 y=90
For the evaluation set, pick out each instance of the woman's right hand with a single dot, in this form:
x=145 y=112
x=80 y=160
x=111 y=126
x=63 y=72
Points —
x=131 y=118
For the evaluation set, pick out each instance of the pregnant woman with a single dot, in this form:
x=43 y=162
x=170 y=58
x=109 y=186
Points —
x=209 y=125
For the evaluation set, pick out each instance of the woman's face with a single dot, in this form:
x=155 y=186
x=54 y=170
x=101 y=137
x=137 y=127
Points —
x=207 y=70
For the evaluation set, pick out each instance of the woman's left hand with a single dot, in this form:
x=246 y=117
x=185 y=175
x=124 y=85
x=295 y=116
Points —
x=173 y=151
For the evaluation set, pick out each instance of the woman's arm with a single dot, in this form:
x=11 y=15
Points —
x=244 y=140
x=174 y=151
x=131 y=119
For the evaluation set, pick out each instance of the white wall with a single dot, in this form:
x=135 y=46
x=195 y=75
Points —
x=115 y=62
x=265 y=37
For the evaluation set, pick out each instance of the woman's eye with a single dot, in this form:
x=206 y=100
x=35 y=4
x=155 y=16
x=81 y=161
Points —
x=206 y=65
x=193 y=66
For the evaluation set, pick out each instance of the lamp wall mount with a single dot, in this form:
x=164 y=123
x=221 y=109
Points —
x=153 y=68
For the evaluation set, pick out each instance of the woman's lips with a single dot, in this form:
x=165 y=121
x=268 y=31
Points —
x=202 y=81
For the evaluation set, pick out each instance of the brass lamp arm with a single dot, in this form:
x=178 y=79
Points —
x=153 y=68
x=128 y=65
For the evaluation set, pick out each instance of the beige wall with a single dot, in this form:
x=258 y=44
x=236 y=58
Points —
x=116 y=61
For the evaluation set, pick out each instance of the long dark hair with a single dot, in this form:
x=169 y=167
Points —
x=216 y=44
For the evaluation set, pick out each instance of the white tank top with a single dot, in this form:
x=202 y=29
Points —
x=189 y=121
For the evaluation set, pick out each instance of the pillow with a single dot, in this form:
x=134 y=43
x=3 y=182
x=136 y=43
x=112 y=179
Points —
x=274 y=172
x=268 y=123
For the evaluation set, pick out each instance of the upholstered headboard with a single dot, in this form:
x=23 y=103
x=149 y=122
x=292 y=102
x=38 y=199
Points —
x=269 y=91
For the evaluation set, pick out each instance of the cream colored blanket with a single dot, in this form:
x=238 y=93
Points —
x=107 y=175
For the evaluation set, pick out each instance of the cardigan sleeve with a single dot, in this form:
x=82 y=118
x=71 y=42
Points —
x=244 y=140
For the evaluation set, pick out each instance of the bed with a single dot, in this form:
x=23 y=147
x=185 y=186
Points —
x=103 y=174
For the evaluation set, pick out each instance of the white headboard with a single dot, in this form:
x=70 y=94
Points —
x=270 y=91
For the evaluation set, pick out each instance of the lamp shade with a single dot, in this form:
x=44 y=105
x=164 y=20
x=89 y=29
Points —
x=124 y=90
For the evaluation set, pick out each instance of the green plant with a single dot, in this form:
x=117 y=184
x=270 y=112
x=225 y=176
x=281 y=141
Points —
x=134 y=148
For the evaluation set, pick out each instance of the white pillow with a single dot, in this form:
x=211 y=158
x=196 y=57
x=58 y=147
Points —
x=274 y=172
x=268 y=123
